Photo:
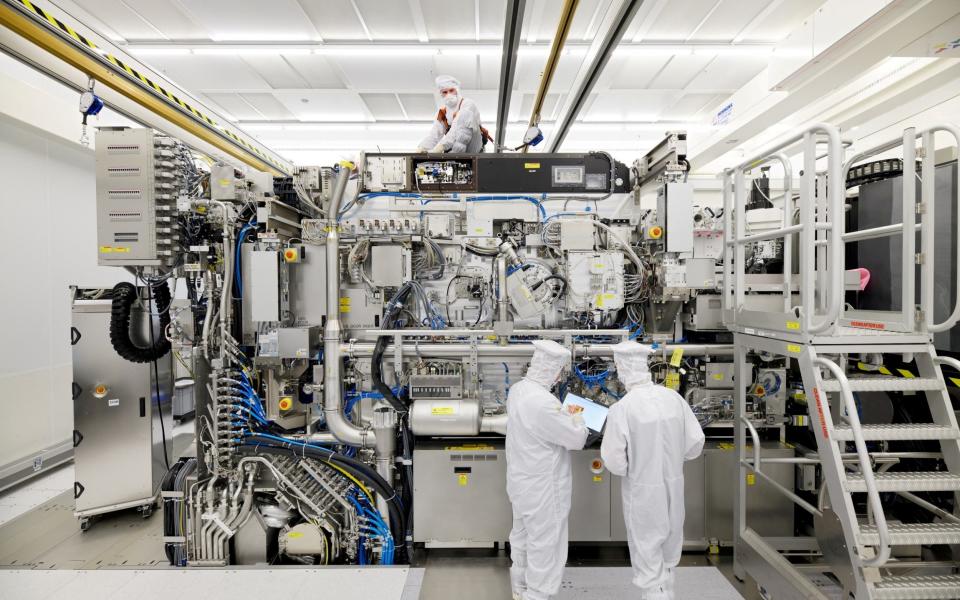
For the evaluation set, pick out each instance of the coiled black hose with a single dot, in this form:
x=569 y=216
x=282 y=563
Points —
x=124 y=296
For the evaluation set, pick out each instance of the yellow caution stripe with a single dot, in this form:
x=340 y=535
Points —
x=154 y=88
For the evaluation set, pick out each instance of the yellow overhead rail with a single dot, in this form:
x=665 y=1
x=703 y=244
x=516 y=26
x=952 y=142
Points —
x=559 y=38
x=42 y=28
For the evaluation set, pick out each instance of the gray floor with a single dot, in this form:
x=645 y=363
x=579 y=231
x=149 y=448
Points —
x=48 y=537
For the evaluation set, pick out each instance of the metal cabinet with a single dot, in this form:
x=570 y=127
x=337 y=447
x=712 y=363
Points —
x=118 y=443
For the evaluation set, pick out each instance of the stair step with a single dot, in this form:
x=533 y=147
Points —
x=885 y=384
x=922 y=481
x=899 y=431
x=909 y=534
x=917 y=587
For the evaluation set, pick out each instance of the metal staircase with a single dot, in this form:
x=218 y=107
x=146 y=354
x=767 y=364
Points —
x=860 y=543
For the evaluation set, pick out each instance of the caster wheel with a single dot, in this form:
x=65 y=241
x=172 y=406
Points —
x=85 y=524
x=146 y=511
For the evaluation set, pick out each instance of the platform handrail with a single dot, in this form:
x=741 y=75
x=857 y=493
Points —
x=928 y=221
x=866 y=467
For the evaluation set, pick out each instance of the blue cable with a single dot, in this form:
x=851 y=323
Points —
x=251 y=226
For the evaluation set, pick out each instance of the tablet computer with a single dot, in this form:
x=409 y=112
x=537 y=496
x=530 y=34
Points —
x=594 y=415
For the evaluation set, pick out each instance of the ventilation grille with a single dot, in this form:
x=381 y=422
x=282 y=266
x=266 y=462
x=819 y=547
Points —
x=123 y=171
x=123 y=148
x=473 y=457
x=121 y=216
x=126 y=237
x=124 y=194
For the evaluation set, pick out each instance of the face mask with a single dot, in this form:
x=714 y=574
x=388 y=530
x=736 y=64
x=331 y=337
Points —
x=451 y=101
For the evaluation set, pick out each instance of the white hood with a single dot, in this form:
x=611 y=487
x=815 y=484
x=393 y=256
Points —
x=631 y=361
x=548 y=361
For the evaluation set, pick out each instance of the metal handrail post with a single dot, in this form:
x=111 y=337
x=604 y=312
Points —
x=807 y=209
x=866 y=467
x=954 y=317
x=908 y=288
x=727 y=244
x=835 y=199
x=741 y=251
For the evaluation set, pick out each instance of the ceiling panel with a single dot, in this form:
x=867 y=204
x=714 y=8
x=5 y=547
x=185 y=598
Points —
x=123 y=20
x=208 y=72
x=317 y=70
x=493 y=13
x=490 y=73
x=635 y=72
x=253 y=19
x=464 y=68
x=728 y=72
x=269 y=106
x=335 y=19
x=529 y=69
x=236 y=106
x=687 y=107
x=679 y=19
x=526 y=106
x=449 y=19
x=388 y=72
x=639 y=105
x=383 y=106
x=388 y=20
x=276 y=71
x=585 y=20
x=419 y=106
x=309 y=105
x=728 y=20
x=680 y=71
x=787 y=16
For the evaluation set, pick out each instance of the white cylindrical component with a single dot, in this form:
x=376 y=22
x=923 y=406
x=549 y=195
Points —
x=445 y=417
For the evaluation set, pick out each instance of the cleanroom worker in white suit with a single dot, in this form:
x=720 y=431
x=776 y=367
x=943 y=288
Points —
x=457 y=127
x=649 y=434
x=540 y=436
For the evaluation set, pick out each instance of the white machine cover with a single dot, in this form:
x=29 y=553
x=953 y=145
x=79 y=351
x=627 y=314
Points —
x=540 y=435
x=650 y=432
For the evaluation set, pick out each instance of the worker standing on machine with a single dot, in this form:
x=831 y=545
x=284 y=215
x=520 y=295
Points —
x=457 y=127
x=649 y=434
x=540 y=435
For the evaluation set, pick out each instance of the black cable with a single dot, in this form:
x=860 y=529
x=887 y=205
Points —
x=156 y=371
x=124 y=295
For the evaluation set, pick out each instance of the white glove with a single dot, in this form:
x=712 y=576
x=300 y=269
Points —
x=438 y=149
x=421 y=150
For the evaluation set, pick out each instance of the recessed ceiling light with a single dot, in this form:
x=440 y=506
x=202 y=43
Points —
x=304 y=100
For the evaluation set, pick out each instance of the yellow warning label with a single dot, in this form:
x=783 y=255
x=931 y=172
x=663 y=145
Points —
x=794 y=325
x=462 y=479
x=442 y=410
x=718 y=376
x=751 y=479
x=470 y=447
x=672 y=381
x=295 y=534
x=793 y=348
x=106 y=249
x=345 y=305
x=676 y=357
x=907 y=374
x=345 y=300
x=531 y=165
x=225 y=182
x=121 y=249
x=726 y=446
x=597 y=478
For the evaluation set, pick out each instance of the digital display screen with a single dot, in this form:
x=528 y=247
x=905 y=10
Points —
x=569 y=175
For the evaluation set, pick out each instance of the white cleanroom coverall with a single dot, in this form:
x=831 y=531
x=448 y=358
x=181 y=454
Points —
x=540 y=435
x=650 y=432
x=463 y=118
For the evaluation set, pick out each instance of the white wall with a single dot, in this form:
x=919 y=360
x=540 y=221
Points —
x=47 y=241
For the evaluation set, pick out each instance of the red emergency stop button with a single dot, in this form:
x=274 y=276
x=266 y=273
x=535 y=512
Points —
x=285 y=403
x=291 y=255
x=656 y=232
